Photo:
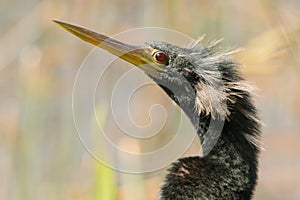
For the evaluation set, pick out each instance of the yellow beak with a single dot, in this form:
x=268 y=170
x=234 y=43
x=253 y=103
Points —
x=140 y=56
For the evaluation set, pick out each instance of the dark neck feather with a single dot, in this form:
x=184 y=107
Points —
x=229 y=171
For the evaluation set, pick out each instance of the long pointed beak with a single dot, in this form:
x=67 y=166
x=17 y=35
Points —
x=140 y=56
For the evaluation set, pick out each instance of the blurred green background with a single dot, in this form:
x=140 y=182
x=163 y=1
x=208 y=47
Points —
x=41 y=156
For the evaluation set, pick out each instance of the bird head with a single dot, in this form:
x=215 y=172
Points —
x=200 y=79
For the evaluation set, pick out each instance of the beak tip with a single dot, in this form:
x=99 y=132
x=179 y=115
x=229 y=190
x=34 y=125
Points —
x=55 y=21
x=59 y=22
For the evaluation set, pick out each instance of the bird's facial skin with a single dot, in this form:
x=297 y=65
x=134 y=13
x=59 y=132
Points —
x=160 y=57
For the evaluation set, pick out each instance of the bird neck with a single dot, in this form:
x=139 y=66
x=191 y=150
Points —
x=229 y=169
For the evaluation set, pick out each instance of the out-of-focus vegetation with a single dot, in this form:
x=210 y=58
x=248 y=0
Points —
x=40 y=154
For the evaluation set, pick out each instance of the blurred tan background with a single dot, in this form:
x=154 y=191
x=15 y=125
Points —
x=40 y=154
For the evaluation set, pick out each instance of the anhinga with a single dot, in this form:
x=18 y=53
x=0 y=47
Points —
x=207 y=86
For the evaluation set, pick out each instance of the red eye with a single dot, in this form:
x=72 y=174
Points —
x=161 y=57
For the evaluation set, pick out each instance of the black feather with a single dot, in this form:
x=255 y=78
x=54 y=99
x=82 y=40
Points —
x=206 y=84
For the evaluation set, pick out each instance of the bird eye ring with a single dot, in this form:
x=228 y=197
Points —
x=160 y=57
